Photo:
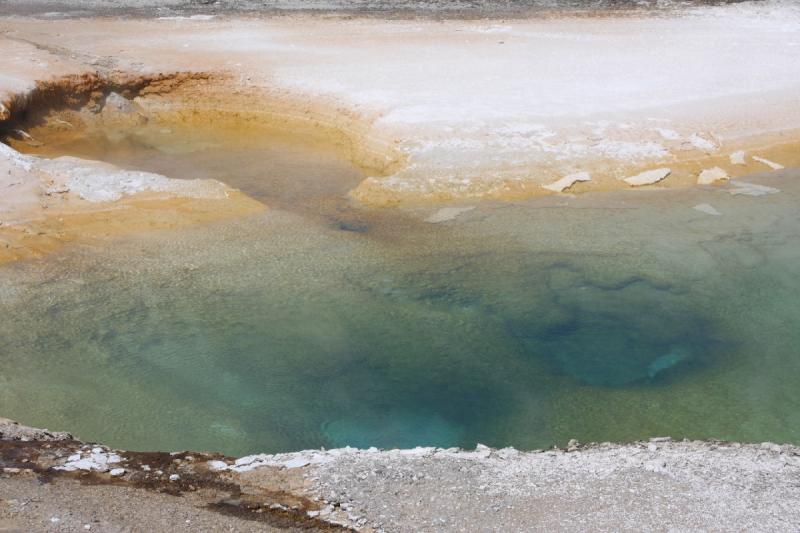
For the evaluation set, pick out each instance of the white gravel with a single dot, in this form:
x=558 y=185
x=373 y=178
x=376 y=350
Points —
x=676 y=486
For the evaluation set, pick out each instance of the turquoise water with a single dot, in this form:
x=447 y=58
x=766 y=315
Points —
x=604 y=317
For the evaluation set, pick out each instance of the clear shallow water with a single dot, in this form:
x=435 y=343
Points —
x=603 y=317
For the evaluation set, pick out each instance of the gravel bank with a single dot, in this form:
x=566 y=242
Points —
x=655 y=485
x=635 y=487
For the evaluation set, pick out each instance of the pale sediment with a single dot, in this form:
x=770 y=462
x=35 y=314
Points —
x=454 y=110
x=49 y=202
x=658 y=484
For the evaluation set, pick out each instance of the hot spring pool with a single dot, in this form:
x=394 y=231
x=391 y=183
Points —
x=603 y=317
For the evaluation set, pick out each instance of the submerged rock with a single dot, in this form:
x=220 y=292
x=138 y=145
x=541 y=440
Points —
x=118 y=111
x=751 y=189
x=707 y=209
x=354 y=226
x=668 y=361
x=448 y=213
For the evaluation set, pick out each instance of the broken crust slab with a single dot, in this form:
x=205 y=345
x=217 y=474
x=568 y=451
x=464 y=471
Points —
x=369 y=489
x=712 y=175
x=648 y=177
x=771 y=164
x=567 y=181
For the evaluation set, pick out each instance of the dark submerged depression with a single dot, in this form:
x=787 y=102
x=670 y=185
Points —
x=318 y=323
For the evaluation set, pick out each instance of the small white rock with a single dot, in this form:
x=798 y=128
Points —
x=648 y=177
x=712 y=175
x=656 y=465
x=217 y=465
x=174 y=477
x=117 y=472
x=483 y=451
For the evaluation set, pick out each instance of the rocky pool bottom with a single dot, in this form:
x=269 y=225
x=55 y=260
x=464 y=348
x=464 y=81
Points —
x=601 y=317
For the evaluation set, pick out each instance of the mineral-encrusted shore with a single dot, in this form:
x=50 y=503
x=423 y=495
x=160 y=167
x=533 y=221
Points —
x=434 y=108
x=54 y=482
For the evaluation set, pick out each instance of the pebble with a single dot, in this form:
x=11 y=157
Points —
x=174 y=477
x=117 y=472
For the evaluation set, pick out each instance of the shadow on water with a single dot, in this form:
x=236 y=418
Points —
x=634 y=331
x=504 y=346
